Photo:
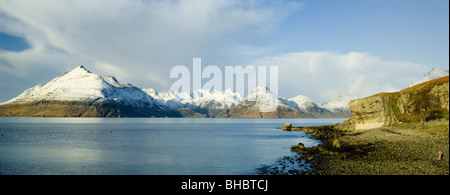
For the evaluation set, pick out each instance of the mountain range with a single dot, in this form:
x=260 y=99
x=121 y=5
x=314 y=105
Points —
x=433 y=74
x=81 y=93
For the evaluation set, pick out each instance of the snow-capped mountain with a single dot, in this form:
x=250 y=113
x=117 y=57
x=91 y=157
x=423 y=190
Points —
x=306 y=105
x=433 y=74
x=262 y=103
x=213 y=101
x=338 y=104
x=205 y=102
x=82 y=93
x=173 y=101
x=222 y=99
x=82 y=85
x=264 y=99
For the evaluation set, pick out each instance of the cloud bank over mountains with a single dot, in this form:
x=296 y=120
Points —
x=325 y=74
x=140 y=41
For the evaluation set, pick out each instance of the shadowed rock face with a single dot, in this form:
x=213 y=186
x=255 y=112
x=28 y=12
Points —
x=56 y=108
x=423 y=102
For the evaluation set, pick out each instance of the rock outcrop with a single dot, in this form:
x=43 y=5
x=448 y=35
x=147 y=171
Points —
x=423 y=102
x=287 y=126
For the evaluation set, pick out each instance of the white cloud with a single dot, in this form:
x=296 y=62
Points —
x=143 y=39
x=321 y=74
x=140 y=41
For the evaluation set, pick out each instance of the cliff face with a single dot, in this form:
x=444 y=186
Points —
x=423 y=102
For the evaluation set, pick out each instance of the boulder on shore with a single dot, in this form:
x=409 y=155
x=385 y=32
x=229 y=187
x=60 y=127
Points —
x=336 y=144
x=287 y=126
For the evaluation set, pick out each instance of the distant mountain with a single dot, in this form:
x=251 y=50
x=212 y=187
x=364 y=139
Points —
x=199 y=102
x=82 y=85
x=433 y=74
x=338 y=105
x=261 y=98
x=81 y=93
x=306 y=105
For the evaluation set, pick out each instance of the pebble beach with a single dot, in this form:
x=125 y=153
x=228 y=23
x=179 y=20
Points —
x=405 y=149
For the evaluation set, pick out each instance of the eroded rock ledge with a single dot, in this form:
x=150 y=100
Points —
x=420 y=103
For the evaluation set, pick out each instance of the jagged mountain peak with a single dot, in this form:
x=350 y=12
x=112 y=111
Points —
x=261 y=93
x=433 y=74
x=340 y=99
x=338 y=104
x=301 y=98
x=81 y=67
x=80 y=84
x=436 y=70
x=201 y=98
x=300 y=102
x=90 y=89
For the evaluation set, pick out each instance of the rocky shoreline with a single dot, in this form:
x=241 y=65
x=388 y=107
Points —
x=405 y=149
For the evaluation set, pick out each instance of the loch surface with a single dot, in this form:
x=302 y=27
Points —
x=149 y=146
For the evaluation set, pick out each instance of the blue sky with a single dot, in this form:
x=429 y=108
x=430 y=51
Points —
x=12 y=43
x=393 y=29
x=322 y=47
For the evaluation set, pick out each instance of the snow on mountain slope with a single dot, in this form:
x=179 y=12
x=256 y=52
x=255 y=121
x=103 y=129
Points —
x=306 y=105
x=214 y=99
x=264 y=99
x=82 y=85
x=168 y=99
x=200 y=98
x=262 y=103
x=339 y=104
x=433 y=74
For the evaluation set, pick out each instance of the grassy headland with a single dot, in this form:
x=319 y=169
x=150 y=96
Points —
x=399 y=133
x=404 y=149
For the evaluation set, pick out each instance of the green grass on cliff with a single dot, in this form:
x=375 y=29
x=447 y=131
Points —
x=422 y=105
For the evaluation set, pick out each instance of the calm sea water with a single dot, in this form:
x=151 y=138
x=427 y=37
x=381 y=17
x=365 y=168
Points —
x=154 y=146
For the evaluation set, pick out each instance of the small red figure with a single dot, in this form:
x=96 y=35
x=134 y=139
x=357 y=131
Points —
x=440 y=154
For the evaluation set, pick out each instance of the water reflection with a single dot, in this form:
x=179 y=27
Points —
x=145 y=146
